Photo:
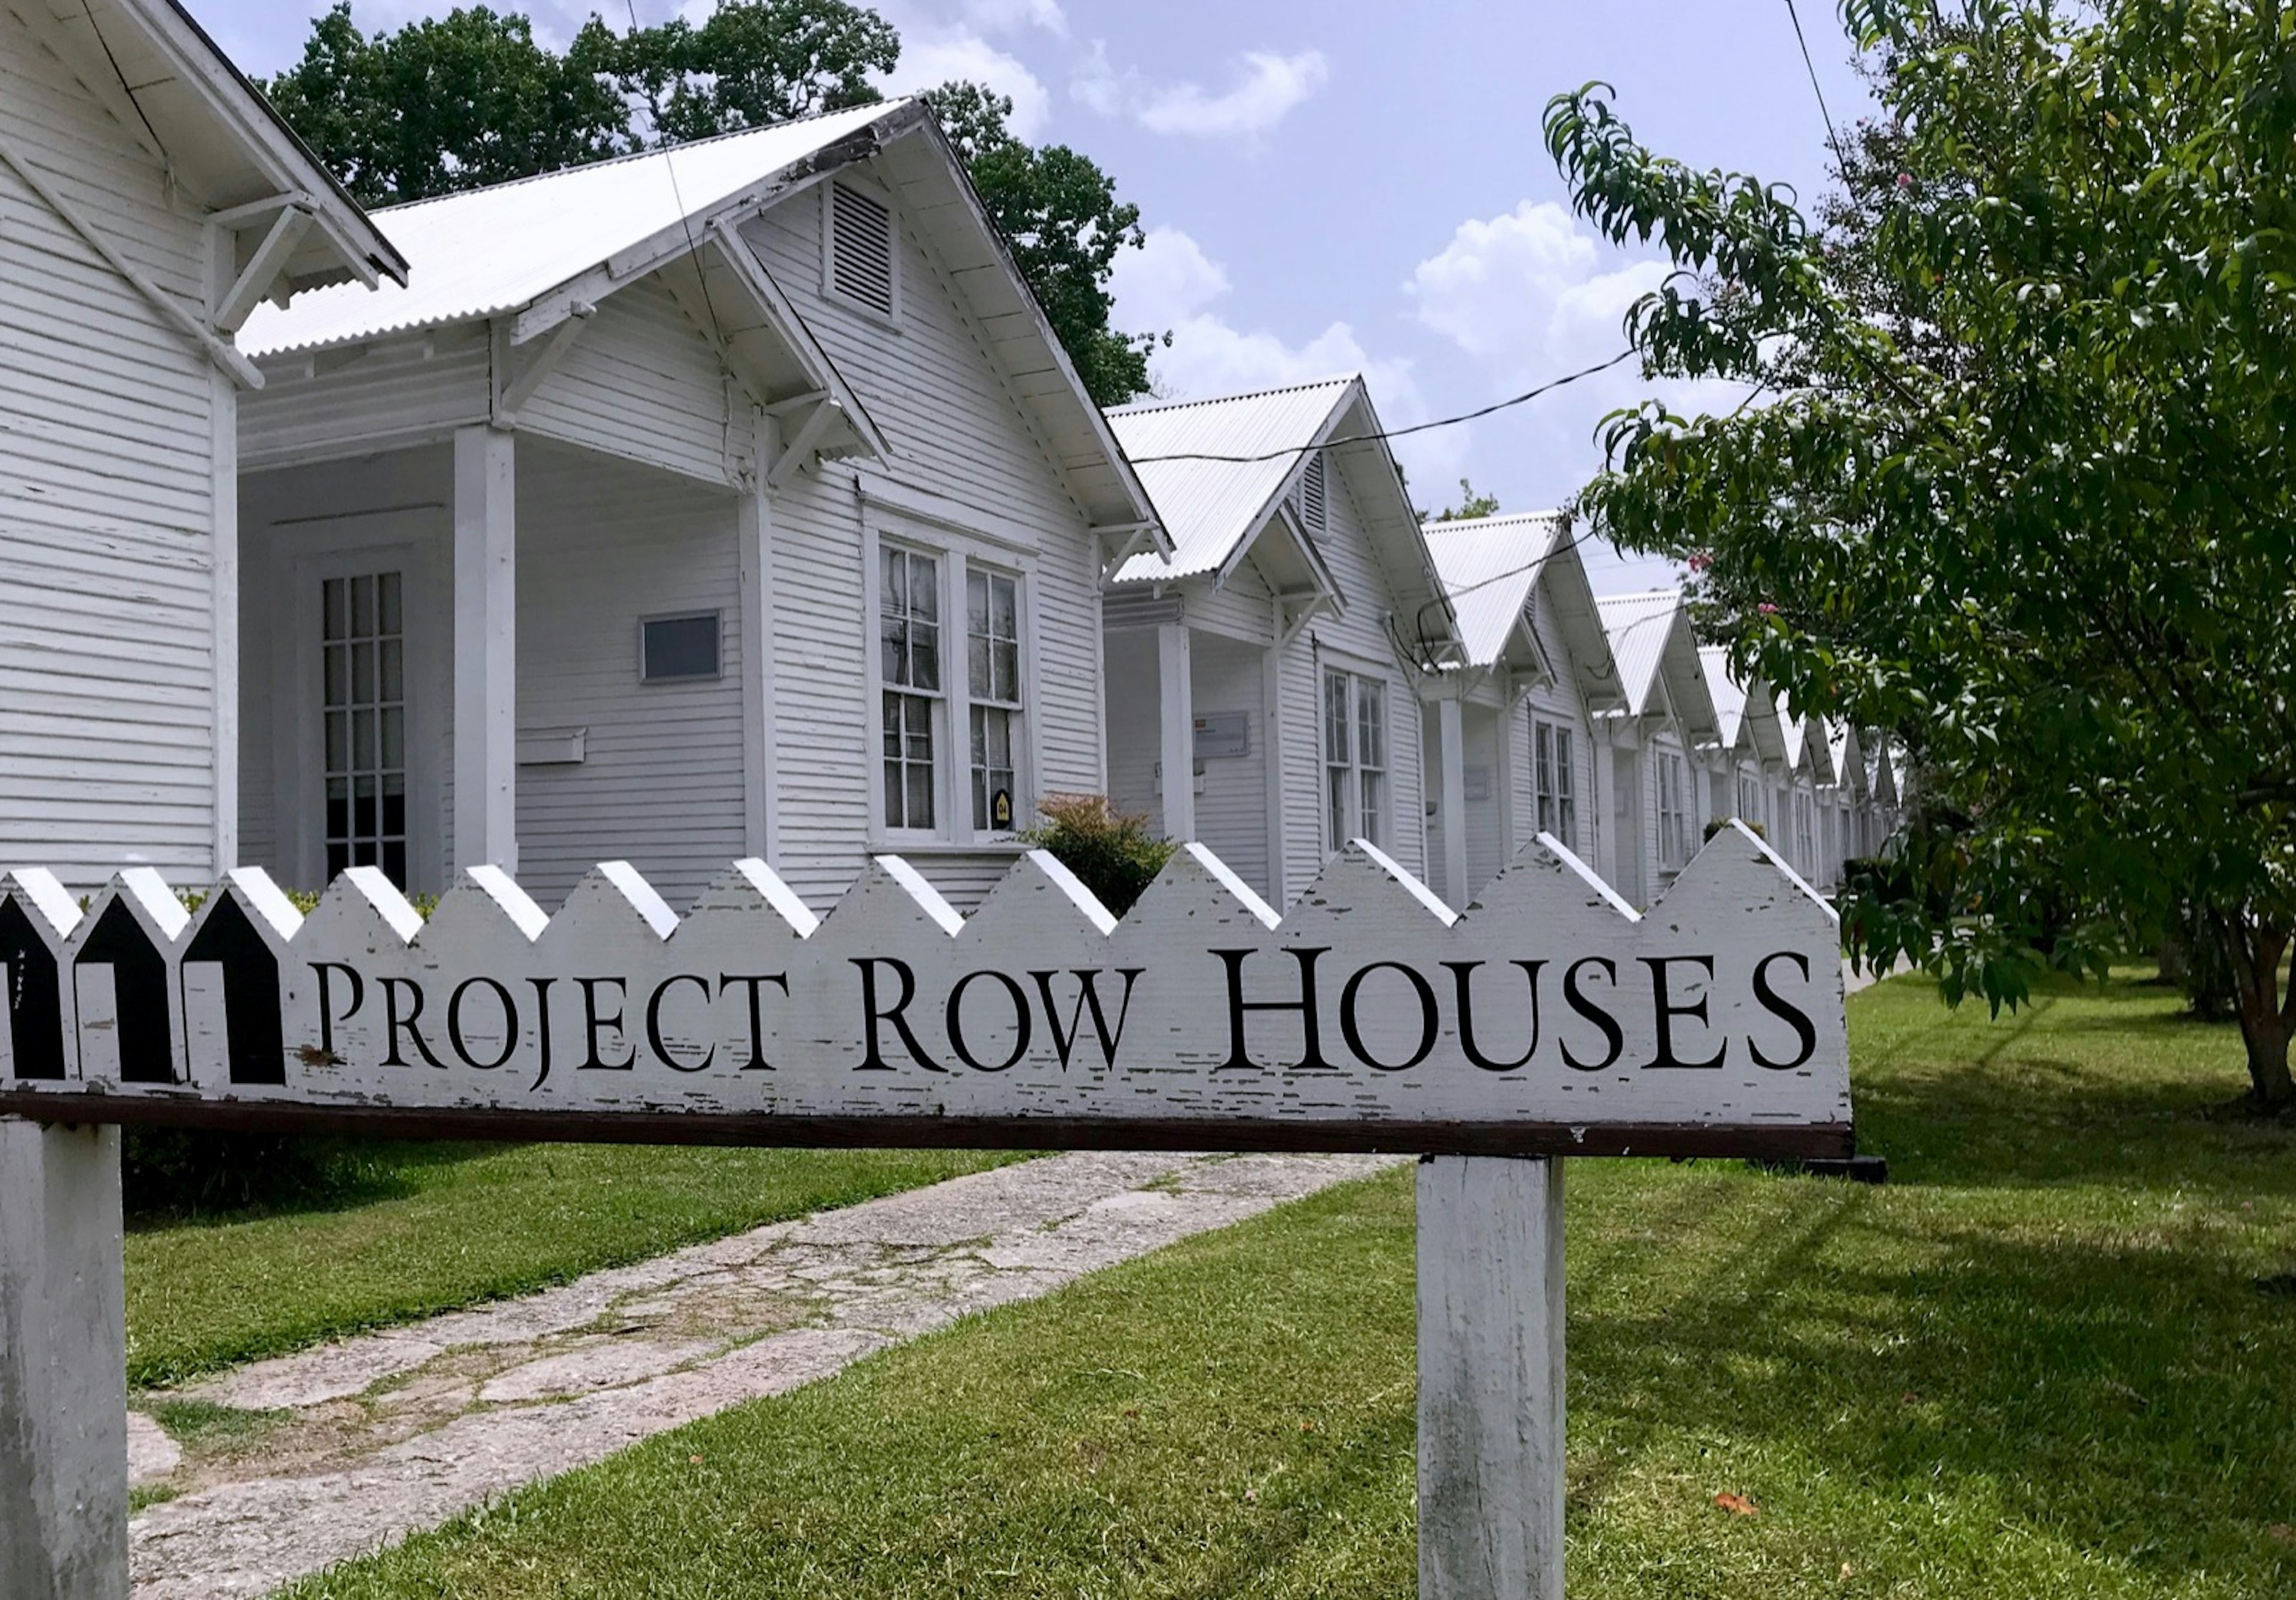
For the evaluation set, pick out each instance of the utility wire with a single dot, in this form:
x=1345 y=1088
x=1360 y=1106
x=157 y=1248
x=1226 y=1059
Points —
x=1386 y=433
x=1832 y=134
x=685 y=221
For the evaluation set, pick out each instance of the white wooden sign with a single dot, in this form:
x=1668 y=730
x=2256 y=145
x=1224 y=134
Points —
x=1547 y=1019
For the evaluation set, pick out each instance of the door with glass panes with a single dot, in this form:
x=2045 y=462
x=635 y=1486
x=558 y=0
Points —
x=362 y=721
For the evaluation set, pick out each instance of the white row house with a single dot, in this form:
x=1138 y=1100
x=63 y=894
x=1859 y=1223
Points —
x=731 y=500
x=1657 y=745
x=1539 y=690
x=150 y=201
x=1273 y=680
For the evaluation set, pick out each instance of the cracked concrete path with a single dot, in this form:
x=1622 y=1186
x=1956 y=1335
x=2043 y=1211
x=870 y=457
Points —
x=351 y=1446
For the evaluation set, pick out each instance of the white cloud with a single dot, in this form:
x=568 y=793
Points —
x=1526 y=292
x=932 y=55
x=1005 y=16
x=1265 y=89
x=1172 y=284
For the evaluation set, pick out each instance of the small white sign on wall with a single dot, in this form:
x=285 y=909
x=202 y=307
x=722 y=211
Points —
x=1221 y=735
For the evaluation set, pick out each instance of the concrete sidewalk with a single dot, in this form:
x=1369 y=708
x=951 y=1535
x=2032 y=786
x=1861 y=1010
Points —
x=397 y=1431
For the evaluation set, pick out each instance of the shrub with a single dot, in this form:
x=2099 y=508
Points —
x=1114 y=855
x=181 y=1171
x=1720 y=823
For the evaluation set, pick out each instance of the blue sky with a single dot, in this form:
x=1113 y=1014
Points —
x=1341 y=187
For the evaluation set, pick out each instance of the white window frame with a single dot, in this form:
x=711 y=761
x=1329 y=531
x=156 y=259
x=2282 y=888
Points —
x=1751 y=795
x=1670 y=774
x=872 y=190
x=1555 y=778
x=956 y=556
x=1361 y=680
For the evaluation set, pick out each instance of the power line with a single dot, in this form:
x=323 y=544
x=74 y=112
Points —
x=686 y=220
x=1386 y=433
x=1832 y=136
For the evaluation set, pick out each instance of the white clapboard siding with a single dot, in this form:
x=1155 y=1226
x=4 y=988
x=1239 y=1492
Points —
x=600 y=546
x=1488 y=848
x=1134 y=722
x=417 y=387
x=640 y=382
x=956 y=432
x=1559 y=702
x=1356 y=642
x=1232 y=805
x=107 y=619
x=1241 y=608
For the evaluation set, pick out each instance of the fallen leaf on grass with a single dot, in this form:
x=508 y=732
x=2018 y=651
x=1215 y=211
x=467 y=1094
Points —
x=2282 y=1532
x=1846 y=1570
x=1737 y=1504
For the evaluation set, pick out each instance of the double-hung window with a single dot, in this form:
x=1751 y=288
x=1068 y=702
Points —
x=1355 y=757
x=1750 y=798
x=908 y=622
x=1554 y=780
x=953 y=733
x=992 y=621
x=1672 y=813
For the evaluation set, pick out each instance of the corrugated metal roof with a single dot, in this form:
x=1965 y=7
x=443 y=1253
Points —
x=1728 y=693
x=1210 y=507
x=1639 y=626
x=1487 y=565
x=496 y=249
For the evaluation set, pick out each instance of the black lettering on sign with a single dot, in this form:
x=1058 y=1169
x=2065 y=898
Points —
x=325 y=971
x=751 y=981
x=653 y=1023
x=594 y=1026
x=1576 y=999
x=255 y=1040
x=459 y=1041
x=139 y=993
x=36 y=1011
x=875 y=1061
x=1778 y=1005
x=394 y=1024
x=1021 y=1021
x=541 y=1029
x=1311 y=1056
x=1428 y=1021
x=1087 y=995
x=1462 y=973
x=1662 y=1002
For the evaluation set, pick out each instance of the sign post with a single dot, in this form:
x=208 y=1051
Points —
x=1549 y=1020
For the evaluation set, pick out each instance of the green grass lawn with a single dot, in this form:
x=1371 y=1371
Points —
x=2055 y=1357
x=428 y=1227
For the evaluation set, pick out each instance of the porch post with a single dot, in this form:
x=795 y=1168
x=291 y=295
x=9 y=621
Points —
x=1490 y=1378
x=63 y=1364
x=485 y=649
x=1271 y=756
x=1508 y=744
x=1176 y=698
x=1449 y=739
x=753 y=532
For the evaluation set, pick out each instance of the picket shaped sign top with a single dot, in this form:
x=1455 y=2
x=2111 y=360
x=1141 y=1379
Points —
x=1548 y=1018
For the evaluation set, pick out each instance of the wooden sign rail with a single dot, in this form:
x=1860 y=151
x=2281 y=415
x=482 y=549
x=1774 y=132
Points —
x=1549 y=1019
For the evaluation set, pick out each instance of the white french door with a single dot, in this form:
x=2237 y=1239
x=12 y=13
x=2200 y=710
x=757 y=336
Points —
x=363 y=721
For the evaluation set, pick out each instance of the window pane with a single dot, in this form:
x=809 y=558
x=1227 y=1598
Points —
x=1004 y=608
x=924 y=588
x=333 y=604
x=1375 y=806
x=978 y=675
x=677 y=648
x=1335 y=819
x=363 y=606
x=1335 y=721
x=924 y=656
x=896 y=642
x=920 y=787
x=1005 y=682
x=1371 y=714
x=387 y=590
x=976 y=603
x=394 y=673
x=894 y=568
x=394 y=738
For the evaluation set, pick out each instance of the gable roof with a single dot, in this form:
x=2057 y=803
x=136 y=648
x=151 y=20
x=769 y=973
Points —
x=1211 y=508
x=535 y=249
x=1491 y=568
x=1488 y=566
x=1651 y=640
x=222 y=145
x=1728 y=694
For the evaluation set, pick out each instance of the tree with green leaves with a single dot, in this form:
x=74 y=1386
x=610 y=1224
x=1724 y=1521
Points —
x=2020 y=487
x=1471 y=506
x=470 y=99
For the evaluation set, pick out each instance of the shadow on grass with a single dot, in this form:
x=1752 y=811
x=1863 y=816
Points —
x=206 y=1178
x=2127 y=1401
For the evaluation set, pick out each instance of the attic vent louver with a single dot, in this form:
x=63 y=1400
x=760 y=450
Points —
x=861 y=247
x=1314 y=506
